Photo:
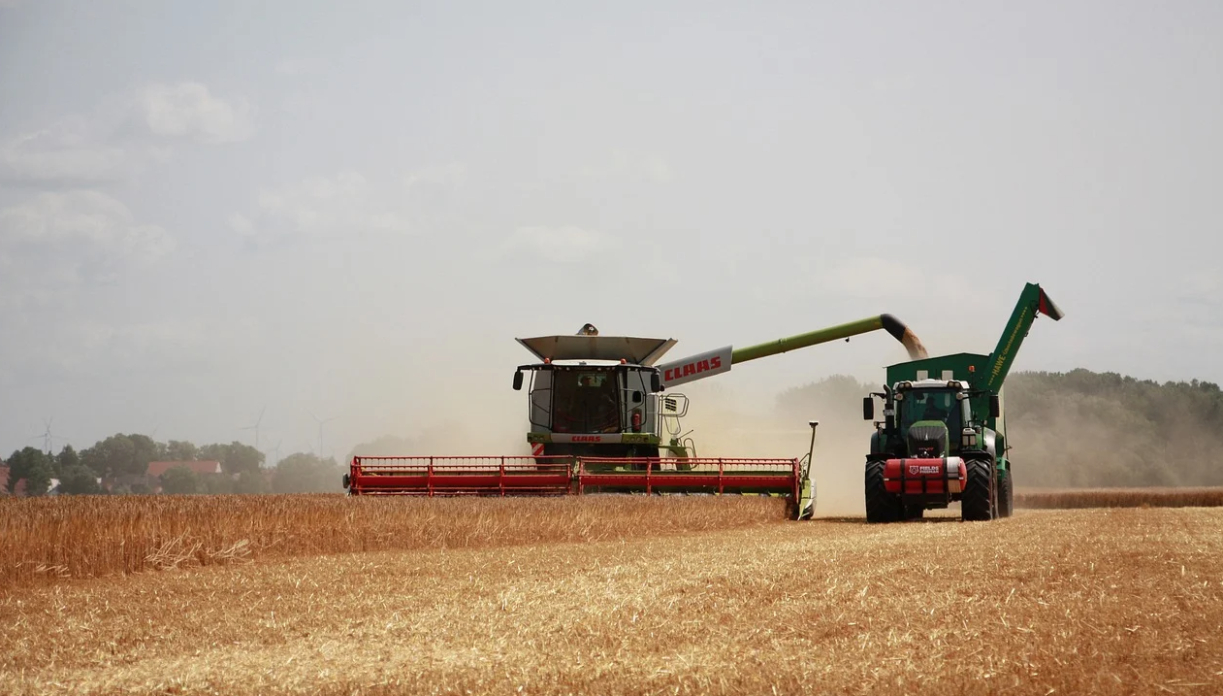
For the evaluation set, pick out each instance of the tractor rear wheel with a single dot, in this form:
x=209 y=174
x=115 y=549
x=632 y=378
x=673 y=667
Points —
x=881 y=506
x=977 y=501
x=1006 y=494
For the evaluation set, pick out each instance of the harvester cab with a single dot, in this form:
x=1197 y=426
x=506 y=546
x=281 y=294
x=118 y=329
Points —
x=592 y=395
x=943 y=436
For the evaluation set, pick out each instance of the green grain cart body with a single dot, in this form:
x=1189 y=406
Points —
x=969 y=367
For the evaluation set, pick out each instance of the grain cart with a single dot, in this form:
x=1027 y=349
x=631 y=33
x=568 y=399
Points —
x=943 y=438
x=601 y=420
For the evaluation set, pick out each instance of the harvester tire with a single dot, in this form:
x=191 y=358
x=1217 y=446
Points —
x=1006 y=494
x=881 y=506
x=977 y=501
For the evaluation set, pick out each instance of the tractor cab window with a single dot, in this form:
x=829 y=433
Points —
x=933 y=405
x=585 y=402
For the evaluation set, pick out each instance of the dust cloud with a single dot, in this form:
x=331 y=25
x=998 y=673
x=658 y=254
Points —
x=1065 y=435
x=722 y=428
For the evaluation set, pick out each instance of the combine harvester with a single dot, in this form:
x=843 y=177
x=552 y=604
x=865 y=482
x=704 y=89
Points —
x=943 y=438
x=601 y=422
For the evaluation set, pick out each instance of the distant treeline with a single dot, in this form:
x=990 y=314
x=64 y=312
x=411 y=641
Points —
x=119 y=464
x=1081 y=428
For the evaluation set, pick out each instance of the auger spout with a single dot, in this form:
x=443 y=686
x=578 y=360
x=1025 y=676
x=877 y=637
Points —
x=1032 y=301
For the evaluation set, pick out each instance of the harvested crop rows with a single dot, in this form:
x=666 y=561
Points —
x=1102 y=601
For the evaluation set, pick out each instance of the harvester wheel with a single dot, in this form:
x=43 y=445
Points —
x=881 y=506
x=1006 y=494
x=977 y=502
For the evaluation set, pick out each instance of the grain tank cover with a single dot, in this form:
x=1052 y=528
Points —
x=640 y=351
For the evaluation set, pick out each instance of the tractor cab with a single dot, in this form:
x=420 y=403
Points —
x=929 y=413
x=929 y=418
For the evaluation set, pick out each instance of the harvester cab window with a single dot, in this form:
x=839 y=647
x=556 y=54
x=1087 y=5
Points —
x=585 y=402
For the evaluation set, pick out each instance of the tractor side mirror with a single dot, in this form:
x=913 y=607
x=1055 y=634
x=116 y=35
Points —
x=995 y=406
x=518 y=380
x=655 y=382
x=868 y=408
x=636 y=397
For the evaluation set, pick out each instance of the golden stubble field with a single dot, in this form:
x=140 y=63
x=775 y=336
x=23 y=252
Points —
x=1081 y=601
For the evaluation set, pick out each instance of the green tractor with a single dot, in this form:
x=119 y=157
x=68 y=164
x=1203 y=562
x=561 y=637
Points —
x=943 y=437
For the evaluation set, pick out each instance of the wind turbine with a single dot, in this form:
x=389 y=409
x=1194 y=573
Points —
x=255 y=427
x=47 y=438
x=320 y=431
x=276 y=449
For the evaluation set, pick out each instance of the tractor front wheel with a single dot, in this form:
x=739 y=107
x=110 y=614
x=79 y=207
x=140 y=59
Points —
x=881 y=506
x=977 y=501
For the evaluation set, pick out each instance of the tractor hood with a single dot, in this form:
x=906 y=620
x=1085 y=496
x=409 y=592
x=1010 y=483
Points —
x=639 y=351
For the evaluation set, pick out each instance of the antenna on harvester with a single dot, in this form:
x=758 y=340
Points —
x=255 y=427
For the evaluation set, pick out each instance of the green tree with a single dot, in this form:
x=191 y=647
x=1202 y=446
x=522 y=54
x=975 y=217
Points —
x=216 y=485
x=38 y=479
x=179 y=480
x=144 y=450
x=34 y=466
x=65 y=460
x=114 y=456
x=306 y=473
x=252 y=483
x=79 y=480
x=235 y=457
x=181 y=451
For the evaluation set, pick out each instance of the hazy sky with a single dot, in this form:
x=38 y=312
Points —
x=351 y=210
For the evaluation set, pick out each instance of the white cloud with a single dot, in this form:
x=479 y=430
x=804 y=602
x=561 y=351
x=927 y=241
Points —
x=623 y=164
x=189 y=110
x=55 y=242
x=81 y=219
x=566 y=244
x=346 y=204
x=452 y=174
x=121 y=136
x=241 y=224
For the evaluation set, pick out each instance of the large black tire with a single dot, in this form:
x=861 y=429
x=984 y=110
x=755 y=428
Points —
x=881 y=506
x=1006 y=494
x=977 y=501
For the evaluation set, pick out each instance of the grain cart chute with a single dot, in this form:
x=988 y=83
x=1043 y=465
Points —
x=943 y=438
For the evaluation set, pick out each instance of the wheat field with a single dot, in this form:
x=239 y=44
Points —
x=43 y=539
x=1114 y=601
